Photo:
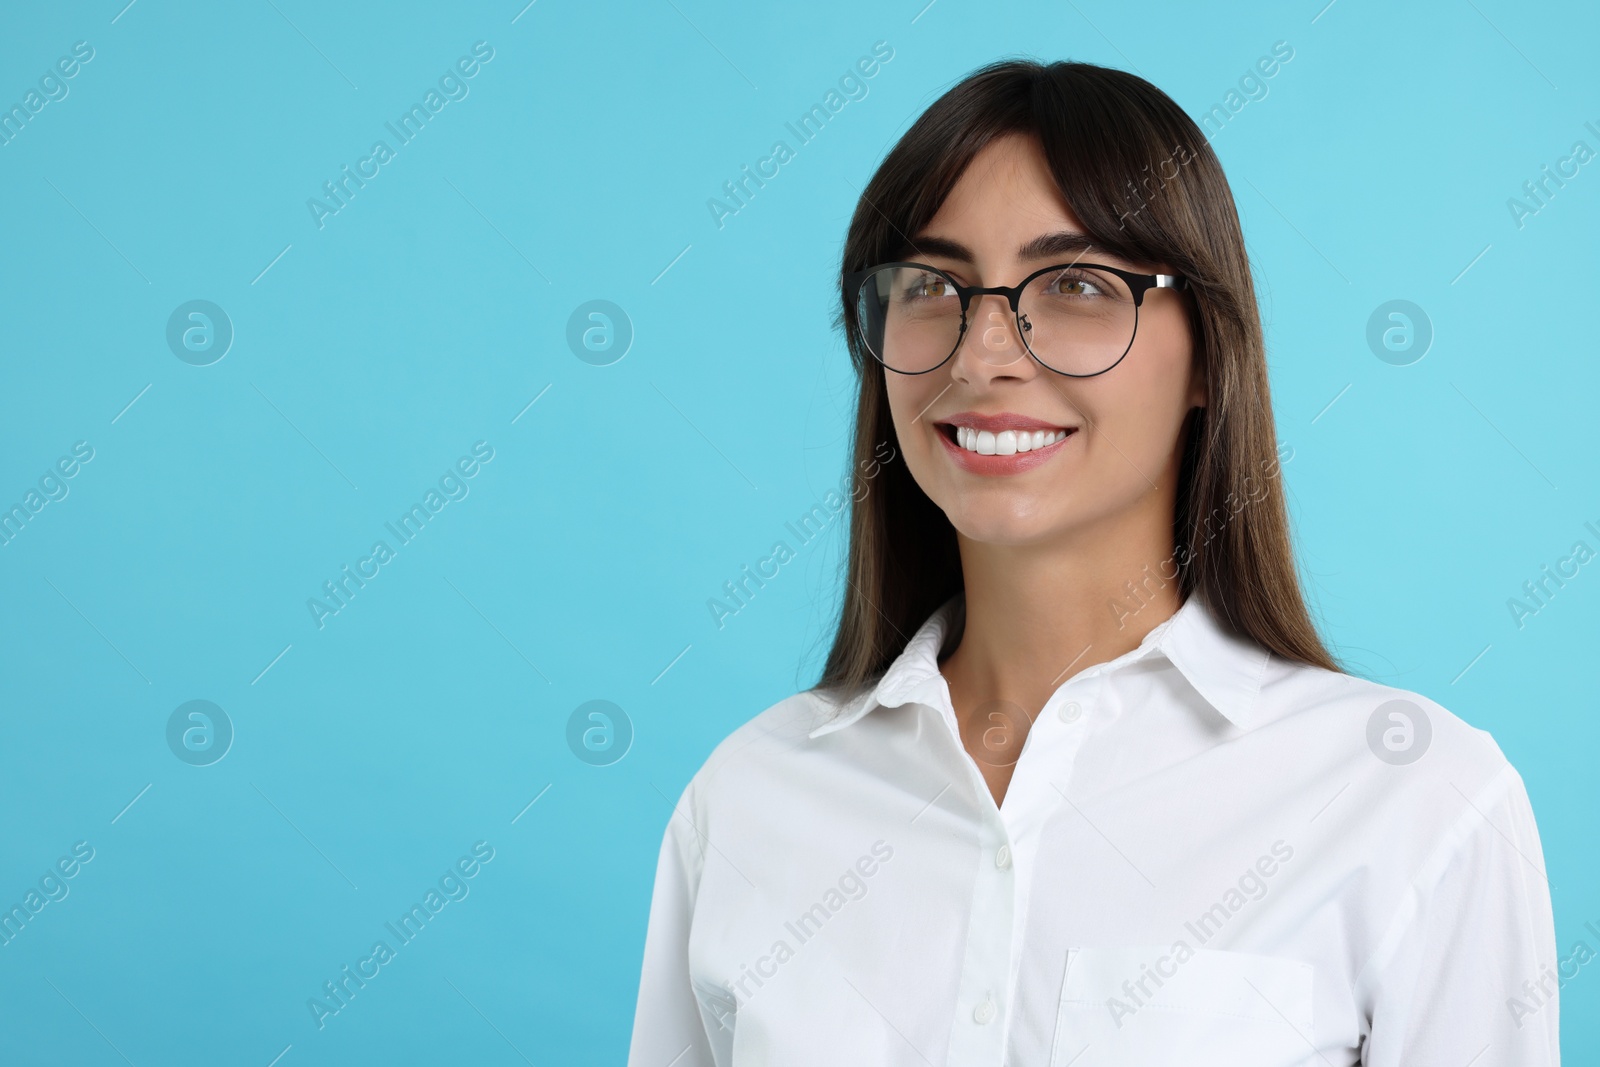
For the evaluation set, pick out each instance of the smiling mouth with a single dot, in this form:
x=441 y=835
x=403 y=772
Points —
x=1002 y=442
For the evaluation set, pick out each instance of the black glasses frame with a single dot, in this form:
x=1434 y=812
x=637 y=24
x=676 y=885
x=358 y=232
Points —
x=1138 y=285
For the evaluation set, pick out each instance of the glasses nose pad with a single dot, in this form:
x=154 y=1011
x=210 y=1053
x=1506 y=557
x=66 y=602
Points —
x=998 y=344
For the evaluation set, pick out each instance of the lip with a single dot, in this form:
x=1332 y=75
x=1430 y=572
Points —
x=1000 y=465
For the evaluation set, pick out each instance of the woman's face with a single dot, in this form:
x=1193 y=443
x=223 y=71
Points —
x=1122 y=450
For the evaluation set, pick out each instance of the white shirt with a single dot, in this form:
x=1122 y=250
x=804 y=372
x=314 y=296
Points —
x=1200 y=858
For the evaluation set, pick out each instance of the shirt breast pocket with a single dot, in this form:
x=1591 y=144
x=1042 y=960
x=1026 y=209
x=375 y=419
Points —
x=1137 y=1006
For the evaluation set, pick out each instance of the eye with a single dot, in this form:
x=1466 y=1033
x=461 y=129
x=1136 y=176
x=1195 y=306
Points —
x=1076 y=284
x=929 y=287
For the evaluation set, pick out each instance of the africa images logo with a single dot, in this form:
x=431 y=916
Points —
x=452 y=885
x=452 y=87
x=811 y=524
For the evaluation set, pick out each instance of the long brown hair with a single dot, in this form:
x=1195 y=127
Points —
x=1142 y=179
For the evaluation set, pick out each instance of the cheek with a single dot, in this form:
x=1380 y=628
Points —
x=909 y=397
x=906 y=402
x=1138 y=409
x=1155 y=393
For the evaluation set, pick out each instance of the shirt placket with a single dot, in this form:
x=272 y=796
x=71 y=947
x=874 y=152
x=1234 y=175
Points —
x=1005 y=858
x=977 y=1035
x=1035 y=793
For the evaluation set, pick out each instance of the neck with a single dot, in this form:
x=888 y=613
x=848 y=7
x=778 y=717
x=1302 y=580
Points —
x=1038 y=614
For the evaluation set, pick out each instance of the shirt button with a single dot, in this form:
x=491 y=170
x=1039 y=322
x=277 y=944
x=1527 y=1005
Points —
x=1071 y=711
x=983 y=1012
x=1002 y=857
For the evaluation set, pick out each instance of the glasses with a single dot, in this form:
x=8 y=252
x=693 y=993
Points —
x=1076 y=319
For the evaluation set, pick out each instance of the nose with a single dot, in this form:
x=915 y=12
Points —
x=992 y=347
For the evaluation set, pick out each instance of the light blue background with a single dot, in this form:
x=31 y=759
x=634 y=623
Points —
x=428 y=313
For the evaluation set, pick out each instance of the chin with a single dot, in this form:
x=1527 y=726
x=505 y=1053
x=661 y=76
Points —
x=992 y=525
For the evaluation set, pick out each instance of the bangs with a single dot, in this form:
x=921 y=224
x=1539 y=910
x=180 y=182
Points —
x=1129 y=165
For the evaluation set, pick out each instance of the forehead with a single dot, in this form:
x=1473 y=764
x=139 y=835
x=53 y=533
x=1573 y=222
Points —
x=1006 y=208
x=1008 y=183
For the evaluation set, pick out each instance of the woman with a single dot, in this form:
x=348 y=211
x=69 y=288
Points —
x=1080 y=783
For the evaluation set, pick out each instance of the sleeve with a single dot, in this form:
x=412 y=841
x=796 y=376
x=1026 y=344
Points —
x=1468 y=971
x=667 y=1023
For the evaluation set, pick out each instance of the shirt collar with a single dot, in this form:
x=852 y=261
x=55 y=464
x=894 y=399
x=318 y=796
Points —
x=1223 y=667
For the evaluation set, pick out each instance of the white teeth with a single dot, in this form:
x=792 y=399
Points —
x=1006 y=442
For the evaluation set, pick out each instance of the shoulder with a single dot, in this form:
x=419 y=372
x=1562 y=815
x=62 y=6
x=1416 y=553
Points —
x=761 y=750
x=1424 y=824
x=1367 y=720
x=1396 y=776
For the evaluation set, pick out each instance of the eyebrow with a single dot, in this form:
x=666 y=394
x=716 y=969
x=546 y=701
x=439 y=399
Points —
x=1045 y=246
